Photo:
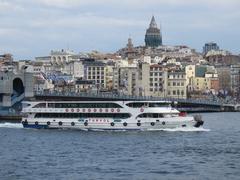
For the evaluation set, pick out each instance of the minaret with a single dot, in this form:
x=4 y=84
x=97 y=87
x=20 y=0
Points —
x=130 y=44
x=153 y=37
x=130 y=51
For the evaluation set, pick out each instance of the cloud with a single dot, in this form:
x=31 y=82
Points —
x=90 y=21
x=106 y=24
x=137 y=3
x=9 y=7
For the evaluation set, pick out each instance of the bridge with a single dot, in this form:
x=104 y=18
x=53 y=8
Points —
x=188 y=105
x=14 y=86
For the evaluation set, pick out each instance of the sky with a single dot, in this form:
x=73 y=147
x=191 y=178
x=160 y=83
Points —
x=33 y=28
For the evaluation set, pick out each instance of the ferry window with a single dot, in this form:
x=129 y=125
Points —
x=158 y=104
x=135 y=105
x=40 y=105
x=84 y=115
x=150 y=115
x=84 y=105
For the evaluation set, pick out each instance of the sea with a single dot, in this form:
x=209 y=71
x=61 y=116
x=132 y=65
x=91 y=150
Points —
x=211 y=152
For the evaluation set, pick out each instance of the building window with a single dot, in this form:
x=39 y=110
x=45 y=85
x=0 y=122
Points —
x=174 y=92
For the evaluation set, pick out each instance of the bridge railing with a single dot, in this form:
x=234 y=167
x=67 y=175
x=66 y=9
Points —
x=126 y=97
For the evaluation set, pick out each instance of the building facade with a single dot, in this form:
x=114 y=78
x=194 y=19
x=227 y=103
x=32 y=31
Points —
x=235 y=80
x=177 y=85
x=210 y=46
x=96 y=71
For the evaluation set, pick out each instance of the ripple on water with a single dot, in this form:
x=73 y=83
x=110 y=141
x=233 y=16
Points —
x=212 y=152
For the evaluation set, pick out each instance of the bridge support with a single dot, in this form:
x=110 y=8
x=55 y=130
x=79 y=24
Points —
x=6 y=101
x=14 y=87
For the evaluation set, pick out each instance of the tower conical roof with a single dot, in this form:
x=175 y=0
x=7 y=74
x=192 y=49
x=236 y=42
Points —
x=153 y=23
x=153 y=36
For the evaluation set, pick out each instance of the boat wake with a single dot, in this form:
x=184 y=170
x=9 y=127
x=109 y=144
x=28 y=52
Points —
x=183 y=129
x=193 y=129
x=11 y=125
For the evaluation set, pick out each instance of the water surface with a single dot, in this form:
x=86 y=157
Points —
x=209 y=153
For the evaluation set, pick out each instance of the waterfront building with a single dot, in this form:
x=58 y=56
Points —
x=213 y=82
x=202 y=79
x=96 y=71
x=61 y=57
x=152 y=80
x=235 y=80
x=224 y=75
x=43 y=59
x=125 y=78
x=210 y=46
x=74 y=68
x=109 y=76
x=222 y=58
x=6 y=59
x=41 y=84
x=176 y=85
x=153 y=37
x=83 y=85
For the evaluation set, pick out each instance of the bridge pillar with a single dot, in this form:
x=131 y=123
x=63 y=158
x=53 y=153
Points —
x=6 y=101
x=28 y=82
x=237 y=107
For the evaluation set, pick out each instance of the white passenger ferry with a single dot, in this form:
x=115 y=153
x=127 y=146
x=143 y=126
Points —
x=106 y=115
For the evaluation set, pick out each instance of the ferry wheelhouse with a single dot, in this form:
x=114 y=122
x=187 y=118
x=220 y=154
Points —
x=106 y=115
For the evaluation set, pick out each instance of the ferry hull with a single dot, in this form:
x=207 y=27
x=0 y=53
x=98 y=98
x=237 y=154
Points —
x=148 y=126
